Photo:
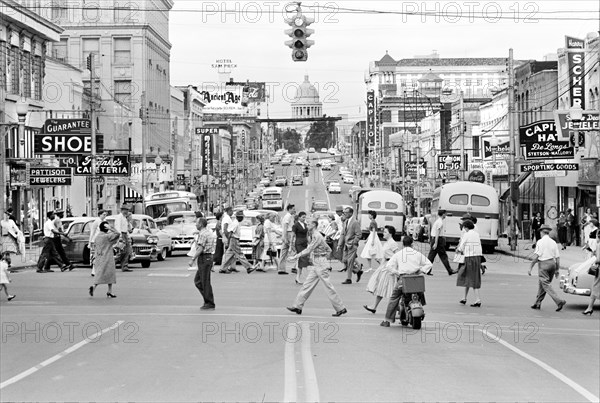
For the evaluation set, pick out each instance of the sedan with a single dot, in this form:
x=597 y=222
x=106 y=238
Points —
x=297 y=180
x=348 y=179
x=334 y=187
x=577 y=281
x=286 y=162
x=146 y=226
x=281 y=181
x=181 y=225
x=323 y=150
x=265 y=181
x=311 y=150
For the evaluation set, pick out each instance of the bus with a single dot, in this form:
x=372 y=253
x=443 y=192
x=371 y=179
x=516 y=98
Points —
x=160 y=204
x=272 y=198
x=388 y=205
x=477 y=199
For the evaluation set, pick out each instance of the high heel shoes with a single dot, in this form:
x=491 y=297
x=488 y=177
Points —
x=91 y=291
x=298 y=282
x=369 y=309
x=586 y=312
x=109 y=295
x=463 y=301
x=476 y=304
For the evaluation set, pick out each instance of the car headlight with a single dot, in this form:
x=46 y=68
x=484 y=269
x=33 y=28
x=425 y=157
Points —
x=152 y=239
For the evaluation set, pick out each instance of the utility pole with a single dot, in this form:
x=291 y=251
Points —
x=3 y=131
x=143 y=115
x=94 y=196
x=462 y=133
x=514 y=190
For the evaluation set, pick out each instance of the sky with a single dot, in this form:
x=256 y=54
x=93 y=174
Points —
x=351 y=34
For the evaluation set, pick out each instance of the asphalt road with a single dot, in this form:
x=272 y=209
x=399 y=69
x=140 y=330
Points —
x=152 y=343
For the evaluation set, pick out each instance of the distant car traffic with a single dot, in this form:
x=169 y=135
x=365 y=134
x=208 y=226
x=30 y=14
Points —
x=417 y=227
x=319 y=205
x=334 y=187
x=323 y=150
x=311 y=150
x=332 y=151
x=297 y=180
x=348 y=179
x=181 y=225
x=286 y=162
x=281 y=181
x=353 y=189
x=326 y=166
x=265 y=182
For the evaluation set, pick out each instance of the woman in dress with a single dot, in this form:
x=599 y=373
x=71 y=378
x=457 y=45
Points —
x=585 y=224
x=4 y=280
x=381 y=284
x=372 y=249
x=105 y=258
x=258 y=244
x=596 y=286
x=9 y=235
x=300 y=242
x=218 y=255
x=535 y=227
x=469 y=275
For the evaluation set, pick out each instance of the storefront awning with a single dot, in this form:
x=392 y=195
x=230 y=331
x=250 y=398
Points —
x=531 y=189
x=132 y=196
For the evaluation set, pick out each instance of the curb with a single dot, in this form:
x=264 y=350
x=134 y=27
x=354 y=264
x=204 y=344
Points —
x=526 y=257
x=16 y=269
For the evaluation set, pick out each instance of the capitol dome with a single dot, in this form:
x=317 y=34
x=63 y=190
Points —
x=307 y=102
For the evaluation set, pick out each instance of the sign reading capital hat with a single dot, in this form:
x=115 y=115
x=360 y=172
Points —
x=545 y=227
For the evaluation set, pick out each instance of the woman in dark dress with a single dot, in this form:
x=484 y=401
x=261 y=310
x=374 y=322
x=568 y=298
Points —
x=218 y=255
x=300 y=241
x=535 y=226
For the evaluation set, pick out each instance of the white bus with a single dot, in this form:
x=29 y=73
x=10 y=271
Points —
x=477 y=199
x=160 y=204
x=272 y=198
x=388 y=205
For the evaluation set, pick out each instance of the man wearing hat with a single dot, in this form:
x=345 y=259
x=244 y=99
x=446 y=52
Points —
x=548 y=259
x=58 y=215
x=234 y=252
x=124 y=228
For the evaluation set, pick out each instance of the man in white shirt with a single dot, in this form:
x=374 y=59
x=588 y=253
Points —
x=123 y=227
x=58 y=215
x=547 y=257
x=438 y=243
x=405 y=261
x=49 y=252
x=234 y=252
x=225 y=223
x=286 y=228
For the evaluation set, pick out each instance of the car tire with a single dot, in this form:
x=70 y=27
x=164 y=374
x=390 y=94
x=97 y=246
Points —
x=160 y=256
x=146 y=264
x=170 y=253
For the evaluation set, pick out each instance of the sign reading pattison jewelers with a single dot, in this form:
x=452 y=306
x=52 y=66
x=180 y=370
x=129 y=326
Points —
x=66 y=136
x=371 y=119
x=50 y=176
x=106 y=165
x=550 y=166
x=540 y=141
x=207 y=157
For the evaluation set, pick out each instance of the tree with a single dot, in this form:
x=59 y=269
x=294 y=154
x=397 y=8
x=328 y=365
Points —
x=320 y=135
x=291 y=140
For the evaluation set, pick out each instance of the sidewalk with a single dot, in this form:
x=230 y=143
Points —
x=26 y=261
x=569 y=256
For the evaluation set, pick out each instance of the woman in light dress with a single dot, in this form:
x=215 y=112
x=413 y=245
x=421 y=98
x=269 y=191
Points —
x=258 y=244
x=469 y=274
x=105 y=258
x=373 y=249
x=4 y=279
x=9 y=235
x=595 y=259
x=381 y=284
x=270 y=231
x=585 y=224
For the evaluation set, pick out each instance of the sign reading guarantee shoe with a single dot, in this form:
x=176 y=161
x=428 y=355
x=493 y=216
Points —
x=50 y=176
x=66 y=136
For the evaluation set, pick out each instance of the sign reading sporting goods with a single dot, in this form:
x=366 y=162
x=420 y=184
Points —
x=537 y=167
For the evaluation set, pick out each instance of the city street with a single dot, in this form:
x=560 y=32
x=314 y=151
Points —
x=152 y=343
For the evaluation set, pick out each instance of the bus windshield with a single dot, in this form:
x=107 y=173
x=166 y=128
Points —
x=271 y=196
x=161 y=210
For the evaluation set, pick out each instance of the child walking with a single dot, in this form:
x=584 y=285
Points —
x=4 y=280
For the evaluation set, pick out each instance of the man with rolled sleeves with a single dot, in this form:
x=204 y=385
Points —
x=547 y=257
x=124 y=228
x=205 y=248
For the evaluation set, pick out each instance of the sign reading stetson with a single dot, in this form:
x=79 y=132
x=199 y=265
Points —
x=50 y=176
x=106 y=165
x=541 y=141
x=66 y=136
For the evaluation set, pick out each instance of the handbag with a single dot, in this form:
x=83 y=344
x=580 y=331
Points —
x=459 y=258
x=593 y=270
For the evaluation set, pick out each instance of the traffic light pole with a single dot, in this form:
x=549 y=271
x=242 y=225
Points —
x=513 y=150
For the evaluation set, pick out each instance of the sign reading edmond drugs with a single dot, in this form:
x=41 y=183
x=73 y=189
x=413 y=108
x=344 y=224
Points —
x=66 y=136
x=541 y=141
x=49 y=176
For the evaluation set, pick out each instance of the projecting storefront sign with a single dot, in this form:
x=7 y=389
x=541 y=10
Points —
x=501 y=151
x=541 y=142
x=590 y=121
x=551 y=166
x=50 y=176
x=455 y=165
x=106 y=165
x=371 y=119
x=207 y=154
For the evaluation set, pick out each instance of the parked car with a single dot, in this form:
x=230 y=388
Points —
x=79 y=230
x=146 y=226
x=181 y=225
x=311 y=150
x=319 y=205
x=334 y=187
x=577 y=281
x=286 y=162
x=297 y=180
x=332 y=151
x=281 y=181
x=248 y=226
x=326 y=166
x=300 y=161
x=348 y=179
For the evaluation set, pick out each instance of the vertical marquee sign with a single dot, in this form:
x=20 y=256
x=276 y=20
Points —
x=576 y=65
x=206 y=136
x=370 y=119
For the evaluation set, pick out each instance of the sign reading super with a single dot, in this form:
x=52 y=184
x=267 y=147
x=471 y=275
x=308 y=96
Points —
x=66 y=136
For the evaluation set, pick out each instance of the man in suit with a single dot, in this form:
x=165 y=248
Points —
x=351 y=235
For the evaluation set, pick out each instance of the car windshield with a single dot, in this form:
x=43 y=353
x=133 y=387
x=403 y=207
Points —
x=162 y=210
x=249 y=221
x=181 y=219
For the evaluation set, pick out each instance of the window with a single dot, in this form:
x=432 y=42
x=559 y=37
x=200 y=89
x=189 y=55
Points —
x=3 y=69
x=76 y=228
x=477 y=200
x=122 y=91
x=15 y=66
x=391 y=206
x=26 y=68
x=90 y=45
x=461 y=200
x=59 y=50
x=476 y=146
x=468 y=82
x=122 y=51
x=87 y=228
x=374 y=204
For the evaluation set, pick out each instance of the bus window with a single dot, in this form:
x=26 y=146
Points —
x=374 y=204
x=391 y=206
x=477 y=200
x=461 y=200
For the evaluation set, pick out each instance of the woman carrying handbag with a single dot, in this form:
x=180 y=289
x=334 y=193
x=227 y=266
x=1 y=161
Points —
x=594 y=270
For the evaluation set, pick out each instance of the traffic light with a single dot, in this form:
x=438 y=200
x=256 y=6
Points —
x=299 y=34
x=306 y=172
x=90 y=61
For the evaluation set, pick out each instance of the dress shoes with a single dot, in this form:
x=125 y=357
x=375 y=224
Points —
x=11 y=297
x=250 y=270
x=347 y=281
x=560 y=305
x=452 y=272
x=535 y=307
x=207 y=308
x=476 y=304
x=359 y=275
x=294 y=309
x=124 y=270
x=342 y=270
x=282 y=272
x=385 y=323
x=369 y=309
x=49 y=271
x=234 y=270
x=340 y=313
x=224 y=271
x=40 y=271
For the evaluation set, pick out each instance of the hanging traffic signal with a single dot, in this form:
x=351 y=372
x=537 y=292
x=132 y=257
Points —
x=90 y=61
x=299 y=34
x=306 y=172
